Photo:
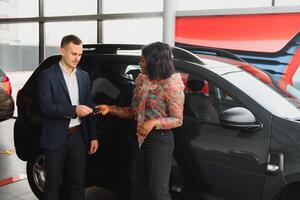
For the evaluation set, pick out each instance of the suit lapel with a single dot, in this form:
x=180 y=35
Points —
x=80 y=82
x=61 y=80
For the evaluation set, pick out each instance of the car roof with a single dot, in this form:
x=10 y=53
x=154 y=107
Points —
x=213 y=59
x=134 y=49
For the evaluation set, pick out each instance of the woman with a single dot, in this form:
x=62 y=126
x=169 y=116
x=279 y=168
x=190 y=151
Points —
x=157 y=106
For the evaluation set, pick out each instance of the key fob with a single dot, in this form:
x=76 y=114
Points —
x=96 y=110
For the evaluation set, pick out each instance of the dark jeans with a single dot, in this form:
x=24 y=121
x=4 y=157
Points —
x=151 y=166
x=71 y=157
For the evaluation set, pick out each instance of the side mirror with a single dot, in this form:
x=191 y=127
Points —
x=239 y=117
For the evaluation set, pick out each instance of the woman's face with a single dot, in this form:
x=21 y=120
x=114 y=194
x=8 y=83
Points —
x=143 y=64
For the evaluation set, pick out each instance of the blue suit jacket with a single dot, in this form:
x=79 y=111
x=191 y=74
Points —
x=57 y=110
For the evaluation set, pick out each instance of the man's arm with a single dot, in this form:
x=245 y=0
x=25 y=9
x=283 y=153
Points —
x=46 y=101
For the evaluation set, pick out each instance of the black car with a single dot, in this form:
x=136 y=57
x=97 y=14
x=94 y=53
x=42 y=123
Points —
x=240 y=137
x=6 y=100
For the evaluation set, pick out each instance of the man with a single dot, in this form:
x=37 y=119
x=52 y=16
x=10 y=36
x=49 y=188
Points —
x=68 y=127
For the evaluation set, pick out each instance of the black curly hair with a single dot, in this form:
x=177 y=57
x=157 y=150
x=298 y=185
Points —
x=159 y=64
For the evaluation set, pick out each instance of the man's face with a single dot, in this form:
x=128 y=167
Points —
x=71 y=54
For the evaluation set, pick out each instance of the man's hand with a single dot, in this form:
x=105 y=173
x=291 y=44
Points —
x=83 y=110
x=94 y=146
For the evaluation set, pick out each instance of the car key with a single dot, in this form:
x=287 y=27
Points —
x=95 y=110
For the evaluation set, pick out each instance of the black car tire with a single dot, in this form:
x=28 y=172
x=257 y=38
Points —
x=36 y=174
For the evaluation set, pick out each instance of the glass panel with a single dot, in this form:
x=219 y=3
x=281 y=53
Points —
x=199 y=102
x=12 y=9
x=70 y=7
x=54 y=31
x=296 y=78
x=287 y=3
x=19 y=46
x=220 y=4
x=138 y=31
x=265 y=96
x=130 y=6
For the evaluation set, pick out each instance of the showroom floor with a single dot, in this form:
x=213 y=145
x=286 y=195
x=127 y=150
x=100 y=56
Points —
x=13 y=181
x=11 y=168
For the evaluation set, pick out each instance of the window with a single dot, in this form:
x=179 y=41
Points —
x=132 y=72
x=110 y=82
x=13 y=9
x=287 y=3
x=19 y=47
x=86 y=31
x=3 y=26
x=136 y=31
x=130 y=6
x=204 y=101
x=296 y=78
x=220 y=4
x=70 y=7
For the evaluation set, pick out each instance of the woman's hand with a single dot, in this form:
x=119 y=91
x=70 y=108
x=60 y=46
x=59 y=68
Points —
x=94 y=144
x=146 y=127
x=103 y=109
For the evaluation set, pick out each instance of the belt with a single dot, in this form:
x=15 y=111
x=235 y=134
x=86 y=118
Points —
x=74 y=129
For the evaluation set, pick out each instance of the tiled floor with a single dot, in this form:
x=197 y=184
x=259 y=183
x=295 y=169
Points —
x=12 y=166
x=19 y=190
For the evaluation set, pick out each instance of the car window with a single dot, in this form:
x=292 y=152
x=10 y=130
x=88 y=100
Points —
x=296 y=78
x=263 y=94
x=204 y=101
x=113 y=82
x=132 y=71
x=103 y=85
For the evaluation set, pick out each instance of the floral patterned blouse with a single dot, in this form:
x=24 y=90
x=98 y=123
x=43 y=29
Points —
x=162 y=100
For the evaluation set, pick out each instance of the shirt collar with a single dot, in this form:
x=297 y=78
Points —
x=64 y=71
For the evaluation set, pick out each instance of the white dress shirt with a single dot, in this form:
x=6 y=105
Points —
x=72 y=85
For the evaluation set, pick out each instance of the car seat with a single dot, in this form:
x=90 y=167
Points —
x=197 y=104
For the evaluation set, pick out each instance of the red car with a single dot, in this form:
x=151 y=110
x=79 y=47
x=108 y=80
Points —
x=6 y=100
x=267 y=41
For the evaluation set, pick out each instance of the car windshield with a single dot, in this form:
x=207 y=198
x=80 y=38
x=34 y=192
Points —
x=279 y=100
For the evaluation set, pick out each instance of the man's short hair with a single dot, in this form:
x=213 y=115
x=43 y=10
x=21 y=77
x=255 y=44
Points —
x=70 y=39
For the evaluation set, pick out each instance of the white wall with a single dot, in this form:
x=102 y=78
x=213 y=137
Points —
x=220 y=4
x=126 y=6
x=287 y=3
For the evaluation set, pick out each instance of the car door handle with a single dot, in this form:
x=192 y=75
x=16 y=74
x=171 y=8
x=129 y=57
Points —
x=275 y=162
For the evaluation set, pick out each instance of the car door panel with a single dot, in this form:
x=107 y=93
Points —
x=230 y=162
x=221 y=166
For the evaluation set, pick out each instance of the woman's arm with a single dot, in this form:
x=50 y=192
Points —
x=122 y=112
